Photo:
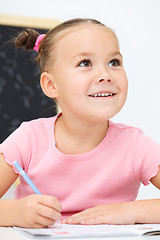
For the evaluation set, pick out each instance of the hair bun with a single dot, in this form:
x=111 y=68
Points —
x=27 y=39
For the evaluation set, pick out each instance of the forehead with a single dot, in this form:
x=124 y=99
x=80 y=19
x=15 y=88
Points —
x=84 y=38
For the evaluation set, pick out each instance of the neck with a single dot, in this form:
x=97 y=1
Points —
x=76 y=136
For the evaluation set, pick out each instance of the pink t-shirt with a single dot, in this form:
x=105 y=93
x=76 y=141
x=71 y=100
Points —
x=112 y=172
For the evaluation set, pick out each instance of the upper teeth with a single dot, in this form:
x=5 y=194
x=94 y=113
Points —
x=101 y=94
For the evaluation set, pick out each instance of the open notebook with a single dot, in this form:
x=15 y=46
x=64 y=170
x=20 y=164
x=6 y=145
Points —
x=77 y=231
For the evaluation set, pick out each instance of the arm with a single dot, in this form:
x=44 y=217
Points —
x=33 y=211
x=140 y=211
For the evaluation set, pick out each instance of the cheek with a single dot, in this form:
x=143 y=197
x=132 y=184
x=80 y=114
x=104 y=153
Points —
x=124 y=83
x=77 y=84
x=125 y=91
x=69 y=90
x=126 y=86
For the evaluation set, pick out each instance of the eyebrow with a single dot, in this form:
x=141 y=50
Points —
x=87 y=54
x=115 y=53
x=83 y=54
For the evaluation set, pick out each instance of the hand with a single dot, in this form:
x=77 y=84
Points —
x=117 y=213
x=36 y=211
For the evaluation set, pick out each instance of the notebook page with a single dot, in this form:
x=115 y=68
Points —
x=67 y=231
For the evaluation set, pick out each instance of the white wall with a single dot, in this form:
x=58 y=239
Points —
x=137 y=25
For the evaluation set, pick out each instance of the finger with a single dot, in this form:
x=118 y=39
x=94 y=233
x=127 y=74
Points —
x=48 y=212
x=36 y=225
x=78 y=217
x=94 y=220
x=82 y=213
x=74 y=219
x=44 y=222
x=50 y=201
x=37 y=221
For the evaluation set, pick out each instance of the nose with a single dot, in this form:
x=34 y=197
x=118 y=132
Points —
x=104 y=80
x=104 y=76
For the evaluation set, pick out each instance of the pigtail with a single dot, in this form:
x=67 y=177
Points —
x=27 y=39
x=44 y=44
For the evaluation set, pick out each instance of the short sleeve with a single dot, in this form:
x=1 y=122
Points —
x=15 y=147
x=146 y=158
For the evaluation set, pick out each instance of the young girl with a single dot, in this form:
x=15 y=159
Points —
x=87 y=168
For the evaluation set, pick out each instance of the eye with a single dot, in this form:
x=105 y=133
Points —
x=114 y=63
x=85 y=63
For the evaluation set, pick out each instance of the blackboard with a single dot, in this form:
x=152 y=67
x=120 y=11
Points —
x=21 y=98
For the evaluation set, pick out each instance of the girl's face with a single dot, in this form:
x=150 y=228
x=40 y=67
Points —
x=88 y=73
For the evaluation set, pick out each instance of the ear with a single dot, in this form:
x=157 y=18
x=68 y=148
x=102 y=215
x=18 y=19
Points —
x=48 y=85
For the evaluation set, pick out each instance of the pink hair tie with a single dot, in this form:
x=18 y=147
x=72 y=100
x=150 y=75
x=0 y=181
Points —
x=39 y=39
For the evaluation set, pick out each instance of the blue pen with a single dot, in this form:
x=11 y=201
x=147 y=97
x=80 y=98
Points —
x=26 y=178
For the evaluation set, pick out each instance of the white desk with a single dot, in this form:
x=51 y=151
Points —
x=11 y=234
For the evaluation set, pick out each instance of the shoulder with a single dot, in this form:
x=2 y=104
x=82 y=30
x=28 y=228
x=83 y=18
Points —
x=36 y=130
x=131 y=136
x=142 y=144
x=29 y=130
x=39 y=124
x=138 y=133
x=122 y=126
x=124 y=129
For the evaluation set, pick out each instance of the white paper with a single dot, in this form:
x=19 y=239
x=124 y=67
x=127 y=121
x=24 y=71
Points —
x=67 y=231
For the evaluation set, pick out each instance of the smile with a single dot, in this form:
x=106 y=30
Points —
x=102 y=94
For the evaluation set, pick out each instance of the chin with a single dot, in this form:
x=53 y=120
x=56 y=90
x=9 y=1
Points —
x=104 y=116
x=99 y=118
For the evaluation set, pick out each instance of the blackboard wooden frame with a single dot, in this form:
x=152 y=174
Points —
x=19 y=21
x=21 y=98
